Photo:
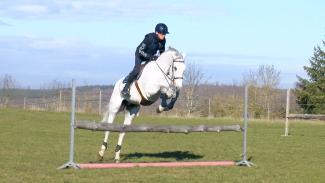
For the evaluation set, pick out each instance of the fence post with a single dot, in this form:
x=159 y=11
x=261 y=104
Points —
x=209 y=114
x=286 y=130
x=24 y=103
x=100 y=102
x=60 y=100
x=268 y=111
x=71 y=162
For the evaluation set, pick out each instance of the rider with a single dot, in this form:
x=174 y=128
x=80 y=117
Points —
x=145 y=52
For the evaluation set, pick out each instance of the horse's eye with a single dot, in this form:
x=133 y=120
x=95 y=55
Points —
x=175 y=68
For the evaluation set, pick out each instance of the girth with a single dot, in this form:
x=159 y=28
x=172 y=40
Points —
x=143 y=101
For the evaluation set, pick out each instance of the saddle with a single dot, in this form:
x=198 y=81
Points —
x=141 y=70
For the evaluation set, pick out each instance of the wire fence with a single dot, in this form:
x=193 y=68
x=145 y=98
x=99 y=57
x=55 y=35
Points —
x=91 y=101
x=207 y=102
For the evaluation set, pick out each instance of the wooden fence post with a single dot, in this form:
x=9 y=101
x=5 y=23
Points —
x=100 y=102
x=286 y=130
x=60 y=100
x=24 y=103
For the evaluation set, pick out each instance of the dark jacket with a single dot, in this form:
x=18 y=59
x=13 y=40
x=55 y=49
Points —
x=149 y=47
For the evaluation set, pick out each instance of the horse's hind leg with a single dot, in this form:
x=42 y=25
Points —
x=130 y=112
x=113 y=108
x=104 y=146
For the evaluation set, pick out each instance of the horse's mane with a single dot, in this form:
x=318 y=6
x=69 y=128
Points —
x=178 y=54
x=172 y=49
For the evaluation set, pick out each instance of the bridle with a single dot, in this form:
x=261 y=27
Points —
x=166 y=75
x=173 y=76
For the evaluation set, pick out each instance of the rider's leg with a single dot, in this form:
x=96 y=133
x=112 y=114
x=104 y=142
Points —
x=131 y=77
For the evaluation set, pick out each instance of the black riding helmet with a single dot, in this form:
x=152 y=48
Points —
x=162 y=28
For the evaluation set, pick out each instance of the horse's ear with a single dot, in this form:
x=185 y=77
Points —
x=183 y=54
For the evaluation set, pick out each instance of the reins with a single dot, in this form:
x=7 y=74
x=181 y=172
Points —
x=172 y=78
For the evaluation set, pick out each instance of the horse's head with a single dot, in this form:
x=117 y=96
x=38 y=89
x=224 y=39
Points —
x=178 y=67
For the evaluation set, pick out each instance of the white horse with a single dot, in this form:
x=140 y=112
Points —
x=163 y=77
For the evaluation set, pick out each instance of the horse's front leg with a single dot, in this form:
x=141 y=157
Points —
x=165 y=105
x=130 y=112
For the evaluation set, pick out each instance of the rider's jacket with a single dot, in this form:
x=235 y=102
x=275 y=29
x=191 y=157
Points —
x=149 y=47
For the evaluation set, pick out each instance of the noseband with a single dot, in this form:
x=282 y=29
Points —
x=174 y=78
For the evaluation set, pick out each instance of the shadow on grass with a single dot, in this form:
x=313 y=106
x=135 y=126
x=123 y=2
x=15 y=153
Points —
x=178 y=155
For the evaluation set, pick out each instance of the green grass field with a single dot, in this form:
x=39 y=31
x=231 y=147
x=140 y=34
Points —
x=34 y=144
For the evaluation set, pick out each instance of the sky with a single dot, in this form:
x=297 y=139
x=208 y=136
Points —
x=94 y=41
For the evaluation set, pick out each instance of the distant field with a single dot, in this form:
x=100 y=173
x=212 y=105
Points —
x=34 y=144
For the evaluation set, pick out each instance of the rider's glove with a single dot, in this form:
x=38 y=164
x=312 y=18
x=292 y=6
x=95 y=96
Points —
x=154 y=57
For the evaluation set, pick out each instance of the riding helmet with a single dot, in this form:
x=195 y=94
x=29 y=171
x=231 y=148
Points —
x=162 y=28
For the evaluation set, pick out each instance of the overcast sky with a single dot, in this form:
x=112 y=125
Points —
x=94 y=41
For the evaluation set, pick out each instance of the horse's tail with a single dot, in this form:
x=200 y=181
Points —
x=116 y=90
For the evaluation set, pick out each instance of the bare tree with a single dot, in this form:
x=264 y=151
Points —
x=267 y=78
x=54 y=85
x=193 y=77
x=250 y=78
x=8 y=82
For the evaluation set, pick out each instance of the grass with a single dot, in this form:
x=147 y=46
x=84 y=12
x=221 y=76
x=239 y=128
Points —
x=34 y=144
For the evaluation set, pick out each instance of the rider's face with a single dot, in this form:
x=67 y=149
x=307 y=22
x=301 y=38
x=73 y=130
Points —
x=160 y=36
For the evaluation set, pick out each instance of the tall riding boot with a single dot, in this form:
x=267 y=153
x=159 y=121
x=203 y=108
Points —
x=126 y=90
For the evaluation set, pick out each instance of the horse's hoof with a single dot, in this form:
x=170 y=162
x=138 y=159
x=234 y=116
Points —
x=100 y=157
x=159 y=109
x=117 y=161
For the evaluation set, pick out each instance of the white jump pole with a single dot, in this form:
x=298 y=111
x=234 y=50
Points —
x=244 y=161
x=71 y=162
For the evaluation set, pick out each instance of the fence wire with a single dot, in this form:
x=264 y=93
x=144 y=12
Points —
x=211 y=102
